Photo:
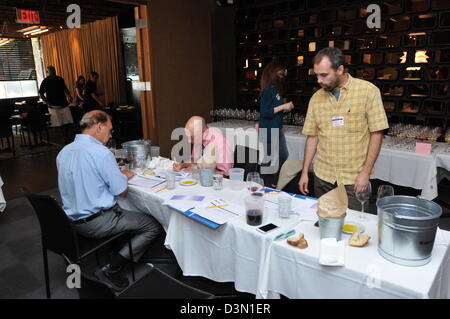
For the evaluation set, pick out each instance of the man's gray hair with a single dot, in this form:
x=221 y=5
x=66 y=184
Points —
x=335 y=55
x=92 y=118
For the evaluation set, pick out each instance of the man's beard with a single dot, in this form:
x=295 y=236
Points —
x=331 y=87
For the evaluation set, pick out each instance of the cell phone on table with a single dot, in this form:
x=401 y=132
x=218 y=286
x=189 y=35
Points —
x=266 y=228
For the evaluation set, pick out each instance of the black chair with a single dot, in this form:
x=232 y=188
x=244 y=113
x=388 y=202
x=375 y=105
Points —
x=154 y=285
x=246 y=158
x=6 y=132
x=35 y=123
x=58 y=235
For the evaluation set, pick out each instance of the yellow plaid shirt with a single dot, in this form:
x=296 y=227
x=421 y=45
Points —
x=344 y=141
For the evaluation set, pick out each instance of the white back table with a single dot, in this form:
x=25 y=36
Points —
x=397 y=166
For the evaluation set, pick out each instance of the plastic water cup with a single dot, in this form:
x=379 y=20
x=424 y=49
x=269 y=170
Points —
x=284 y=206
x=236 y=178
x=218 y=182
x=154 y=151
x=171 y=180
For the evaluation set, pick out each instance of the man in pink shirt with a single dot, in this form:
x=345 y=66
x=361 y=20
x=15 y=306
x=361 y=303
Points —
x=204 y=139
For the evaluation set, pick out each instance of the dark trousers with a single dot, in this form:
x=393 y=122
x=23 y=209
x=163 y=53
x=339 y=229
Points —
x=280 y=156
x=144 y=229
x=321 y=187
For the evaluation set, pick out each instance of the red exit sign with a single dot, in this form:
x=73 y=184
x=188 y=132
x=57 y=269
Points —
x=27 y=16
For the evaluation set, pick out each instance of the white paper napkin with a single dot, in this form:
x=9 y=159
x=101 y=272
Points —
x=332 y=252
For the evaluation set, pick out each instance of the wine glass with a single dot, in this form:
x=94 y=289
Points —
x=255 y=183
x=384 y=191
x=111 y=145
x=363 y=197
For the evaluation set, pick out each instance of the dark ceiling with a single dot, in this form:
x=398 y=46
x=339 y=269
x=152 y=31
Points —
x=53 y=12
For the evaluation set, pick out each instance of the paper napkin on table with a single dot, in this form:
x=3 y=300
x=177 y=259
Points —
x=332 y=252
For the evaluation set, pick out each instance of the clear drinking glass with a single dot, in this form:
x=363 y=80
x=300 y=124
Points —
x=218 y=182
x=384 y=191
x=364 y=197
x=171 y=180
x=122 y=158
x=154 y=151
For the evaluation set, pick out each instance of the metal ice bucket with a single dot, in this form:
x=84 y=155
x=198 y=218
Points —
x=407 y=229
x=138 y=151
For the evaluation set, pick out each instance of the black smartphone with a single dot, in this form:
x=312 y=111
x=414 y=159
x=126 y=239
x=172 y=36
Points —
x=266 y=228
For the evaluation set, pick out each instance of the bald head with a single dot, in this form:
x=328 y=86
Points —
x=97 y=124
x=194 y=129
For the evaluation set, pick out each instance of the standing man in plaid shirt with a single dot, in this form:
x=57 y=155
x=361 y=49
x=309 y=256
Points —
x=344 y=125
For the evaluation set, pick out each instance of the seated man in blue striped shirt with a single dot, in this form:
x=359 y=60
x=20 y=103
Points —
x=90 y=181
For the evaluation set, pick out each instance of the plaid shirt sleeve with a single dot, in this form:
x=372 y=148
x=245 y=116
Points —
x=310 y=126
x=376 y=115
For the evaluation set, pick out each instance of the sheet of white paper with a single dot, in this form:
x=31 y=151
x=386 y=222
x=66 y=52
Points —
x=180 y=205
x=231 y=209
x=213 y=214
x=147 y=182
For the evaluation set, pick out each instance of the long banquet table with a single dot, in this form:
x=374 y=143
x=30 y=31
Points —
x=397 y=166
x=256 y=264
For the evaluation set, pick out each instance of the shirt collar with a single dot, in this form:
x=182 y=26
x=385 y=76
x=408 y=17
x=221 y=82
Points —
x=347 y=84
x=87 y=137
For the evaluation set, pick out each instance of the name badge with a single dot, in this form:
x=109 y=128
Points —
x=337 y=121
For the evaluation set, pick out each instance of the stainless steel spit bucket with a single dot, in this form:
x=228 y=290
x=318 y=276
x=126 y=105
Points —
x=138 y=151
x=407 y=229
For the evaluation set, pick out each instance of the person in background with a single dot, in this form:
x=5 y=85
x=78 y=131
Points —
x=92 y=99
x=344 y=125
x=90 y=183
x=53 y=91
x=272 y=108
x=79 y=88
x=203 y=139
x=77 y=107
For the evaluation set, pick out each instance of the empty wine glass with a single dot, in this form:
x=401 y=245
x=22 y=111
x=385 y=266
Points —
x=363 y=197
x=255 y=183
x=384 y=191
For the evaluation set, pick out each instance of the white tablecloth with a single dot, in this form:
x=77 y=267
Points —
x=235 y=252
x=2 y=198
x=365 y=275
x=238 y=253
x=399 y=167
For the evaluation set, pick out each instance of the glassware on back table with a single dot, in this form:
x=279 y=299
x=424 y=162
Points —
x=364 y=197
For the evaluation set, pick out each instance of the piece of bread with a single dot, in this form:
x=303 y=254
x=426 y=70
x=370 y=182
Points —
x=294 y=241
x=358 y=240
x=149 y=172
x=302 y=244
x=298 y=241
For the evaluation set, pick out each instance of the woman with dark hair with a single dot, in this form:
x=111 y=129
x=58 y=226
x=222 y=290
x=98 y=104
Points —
x=272 y=108
x=79 y=87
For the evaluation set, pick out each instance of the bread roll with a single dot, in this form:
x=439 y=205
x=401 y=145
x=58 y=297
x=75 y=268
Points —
x=303 y=244
x=358 y=240
x=298 y=241
x=294 y=241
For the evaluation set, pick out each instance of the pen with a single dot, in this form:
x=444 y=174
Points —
x=161 y=189
x=284 y=235
x=158 y=184
x=217 y=206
